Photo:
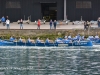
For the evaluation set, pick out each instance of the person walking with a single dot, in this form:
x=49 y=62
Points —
x=38 y=24
x=55 y=24
x=50 y=24
x=3 y=20
x=21 y=24
x=7 y=23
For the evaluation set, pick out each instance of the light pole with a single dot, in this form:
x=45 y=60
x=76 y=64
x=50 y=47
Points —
x=64 y=9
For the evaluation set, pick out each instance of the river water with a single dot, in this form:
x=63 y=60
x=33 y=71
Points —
x=50 y=60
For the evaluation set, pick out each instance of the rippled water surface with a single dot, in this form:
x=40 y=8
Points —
x=50 y=60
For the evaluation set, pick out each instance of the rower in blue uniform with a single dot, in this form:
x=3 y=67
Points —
x=20 y=39
x=58 y=41
x=65 y=37
x=29 y=41
x=75 y=38
x=69 y=37
x=39 y=41
x=11 y=38
x=91 y=38
x=97 y=38
x=66 y=40
x=78 y=37
x=82 y=38
x=47 y=41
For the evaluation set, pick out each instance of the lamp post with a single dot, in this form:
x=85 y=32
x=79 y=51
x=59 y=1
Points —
x=64 y=9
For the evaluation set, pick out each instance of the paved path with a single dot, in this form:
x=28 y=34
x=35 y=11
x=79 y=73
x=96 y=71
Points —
x=46 y=26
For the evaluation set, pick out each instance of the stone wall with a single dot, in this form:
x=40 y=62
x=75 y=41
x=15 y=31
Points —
x=43 y=32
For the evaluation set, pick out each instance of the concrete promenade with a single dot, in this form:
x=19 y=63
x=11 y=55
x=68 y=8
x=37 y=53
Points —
x=44 y=26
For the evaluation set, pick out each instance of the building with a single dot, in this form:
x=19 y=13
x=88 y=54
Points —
x=50 y=9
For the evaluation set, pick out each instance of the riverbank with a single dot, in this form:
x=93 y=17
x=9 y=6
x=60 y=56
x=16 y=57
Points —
x=43 y=34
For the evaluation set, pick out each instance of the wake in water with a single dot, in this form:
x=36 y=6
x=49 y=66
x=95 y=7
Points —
x=95 y=47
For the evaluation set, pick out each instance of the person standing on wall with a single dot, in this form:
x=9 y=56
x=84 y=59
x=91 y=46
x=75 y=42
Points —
x=3 y=20
x=50 y=24
x=88 y=25
x=38 y=24
x=99 y=22
x=21 y=24
x=7 y=17
x=7 y=23
x=55 y=24
x=85 y=25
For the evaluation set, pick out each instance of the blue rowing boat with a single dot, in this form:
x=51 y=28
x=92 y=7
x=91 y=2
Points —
x=66 y=44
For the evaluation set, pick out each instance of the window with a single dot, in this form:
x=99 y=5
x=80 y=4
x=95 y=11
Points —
x=86 y=4
x=83 y=4
x=79 y=4
x=13 y=4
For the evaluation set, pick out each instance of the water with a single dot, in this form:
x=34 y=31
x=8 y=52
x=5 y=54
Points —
x=50 y=61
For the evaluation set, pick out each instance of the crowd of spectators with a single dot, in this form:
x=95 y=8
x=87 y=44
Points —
x=6 y=22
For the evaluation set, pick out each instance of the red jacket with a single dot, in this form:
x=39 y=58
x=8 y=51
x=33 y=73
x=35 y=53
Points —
x=39 y=23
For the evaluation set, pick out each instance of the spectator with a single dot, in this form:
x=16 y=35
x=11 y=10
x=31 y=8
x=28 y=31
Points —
x=38 y=26
x=3 y=20
x=98 y=22
x=21 y=24
x=55 y=23
x=50 y=24
x=7 y=17
x=85 y=25
x=7 y=23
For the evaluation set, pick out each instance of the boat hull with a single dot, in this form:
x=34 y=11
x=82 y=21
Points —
x=82 y=43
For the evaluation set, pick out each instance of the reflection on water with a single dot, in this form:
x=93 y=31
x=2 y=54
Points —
x=50 y=61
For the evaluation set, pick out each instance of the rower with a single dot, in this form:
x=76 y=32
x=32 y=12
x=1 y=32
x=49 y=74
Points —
x=39 y=41
x=20 y=39
x=47 y=41
x=30 y=41
x=97 y=37
x=91 y=38
x=58 y=41
x=78 y=37
x=82 y=38
x=11 y=38
x=65 y=36
x=69 y=37
x=75 y=38
x=66 y=40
